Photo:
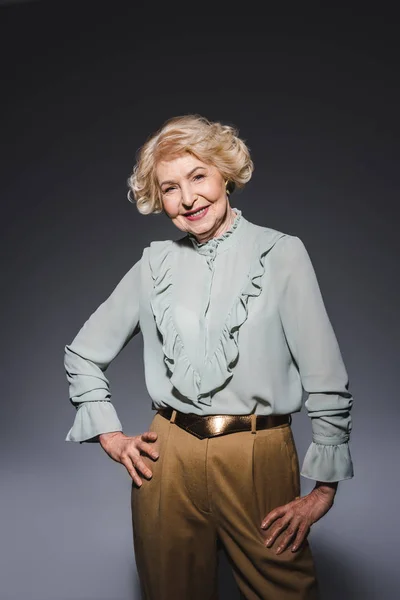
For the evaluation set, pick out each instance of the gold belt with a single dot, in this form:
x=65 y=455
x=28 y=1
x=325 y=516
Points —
x=205 y=426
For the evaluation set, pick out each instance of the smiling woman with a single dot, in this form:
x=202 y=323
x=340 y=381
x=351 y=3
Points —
x=213 y=144
x=235 y=329
x=194 y=196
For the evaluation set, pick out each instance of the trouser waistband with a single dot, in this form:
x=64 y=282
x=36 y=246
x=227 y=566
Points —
x=205 y=426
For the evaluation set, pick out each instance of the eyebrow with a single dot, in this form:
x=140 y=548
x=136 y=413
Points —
x=187 y=175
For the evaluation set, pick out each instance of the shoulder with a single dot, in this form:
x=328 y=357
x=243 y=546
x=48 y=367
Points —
x=155 y=248
x=157 y=253
x=286 y=250
x=285 y=245
x=289 y=257
x=291 y=246
x=161 y=247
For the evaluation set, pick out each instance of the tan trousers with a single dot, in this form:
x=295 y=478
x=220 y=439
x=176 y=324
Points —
x=212 y=493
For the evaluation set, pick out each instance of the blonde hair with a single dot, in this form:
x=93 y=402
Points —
x=210 y=142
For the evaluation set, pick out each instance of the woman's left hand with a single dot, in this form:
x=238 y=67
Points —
x=295 y=518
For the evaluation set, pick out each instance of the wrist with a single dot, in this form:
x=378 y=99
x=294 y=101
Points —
x=105 y=437
x=328 y=488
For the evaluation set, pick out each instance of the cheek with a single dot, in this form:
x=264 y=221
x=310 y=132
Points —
x=171 y=206
x=213 y=191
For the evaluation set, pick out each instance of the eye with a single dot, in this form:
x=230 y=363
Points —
x=168 y=189
x=199 y=176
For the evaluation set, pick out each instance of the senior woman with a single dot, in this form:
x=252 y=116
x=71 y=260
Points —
x=234 y=328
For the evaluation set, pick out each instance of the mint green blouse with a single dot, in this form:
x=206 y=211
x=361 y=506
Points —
x=234 y=325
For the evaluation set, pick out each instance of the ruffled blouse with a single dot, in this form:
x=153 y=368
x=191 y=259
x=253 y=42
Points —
x=234 y=325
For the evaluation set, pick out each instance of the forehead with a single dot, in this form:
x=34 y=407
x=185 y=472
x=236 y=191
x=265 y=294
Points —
x=178 y=166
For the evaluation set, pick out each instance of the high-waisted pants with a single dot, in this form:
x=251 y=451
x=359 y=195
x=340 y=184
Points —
x=211 y=493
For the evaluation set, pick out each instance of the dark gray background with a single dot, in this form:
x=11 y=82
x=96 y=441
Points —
x=316 y=98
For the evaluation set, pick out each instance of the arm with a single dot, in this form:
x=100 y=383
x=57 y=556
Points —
x=314 y=346
x=86 y=359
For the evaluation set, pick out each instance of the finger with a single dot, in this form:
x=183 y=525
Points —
x=289 y=534
x=149 y=436
x=278 y=512
x=131 y=470
x=141 y=466
x=135 y=465
x=277 y=529
x=149 y=449
x=301 y=537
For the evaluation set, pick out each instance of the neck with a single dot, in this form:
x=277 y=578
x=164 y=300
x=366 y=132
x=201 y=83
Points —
x=225 y=225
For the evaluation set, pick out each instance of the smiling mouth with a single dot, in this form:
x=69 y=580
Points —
x=195 y=212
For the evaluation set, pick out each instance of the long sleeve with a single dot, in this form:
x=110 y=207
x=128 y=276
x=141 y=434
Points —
x=314 y=346
x=86 y=359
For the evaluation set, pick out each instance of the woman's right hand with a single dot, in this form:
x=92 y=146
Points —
x=127 y=451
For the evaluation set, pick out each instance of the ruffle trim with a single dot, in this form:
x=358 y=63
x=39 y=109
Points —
x=91 y=419
x=329 y=463
x=217 y=371
x=203 y=246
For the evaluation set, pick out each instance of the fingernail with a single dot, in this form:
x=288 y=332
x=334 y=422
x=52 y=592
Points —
x=294 y=548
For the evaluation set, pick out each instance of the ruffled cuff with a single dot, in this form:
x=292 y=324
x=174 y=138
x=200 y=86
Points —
x=91 y=419
x=327 y=462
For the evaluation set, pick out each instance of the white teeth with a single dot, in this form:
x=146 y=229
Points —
x=197 y=213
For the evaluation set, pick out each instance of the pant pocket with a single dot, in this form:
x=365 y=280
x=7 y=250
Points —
x=293 y=460
x=162 y=427
x=274 y=470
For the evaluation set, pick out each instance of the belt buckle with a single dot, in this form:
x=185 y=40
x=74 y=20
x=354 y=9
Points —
x=213 y=424
x=188 y=427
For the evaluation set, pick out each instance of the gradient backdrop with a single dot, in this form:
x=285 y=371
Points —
x=316 y=97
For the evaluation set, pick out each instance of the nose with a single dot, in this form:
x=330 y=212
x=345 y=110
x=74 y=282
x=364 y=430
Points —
x=188 y=197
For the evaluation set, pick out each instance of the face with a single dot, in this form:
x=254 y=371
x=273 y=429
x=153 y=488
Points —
x=188 y=185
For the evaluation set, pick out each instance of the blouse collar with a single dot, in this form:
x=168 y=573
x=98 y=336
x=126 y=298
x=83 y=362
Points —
x=223 y=241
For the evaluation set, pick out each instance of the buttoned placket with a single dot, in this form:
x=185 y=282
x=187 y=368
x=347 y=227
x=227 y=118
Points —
x=209 y=251
x=210 y=256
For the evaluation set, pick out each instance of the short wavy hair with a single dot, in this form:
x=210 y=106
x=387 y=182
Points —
x=210 y=142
